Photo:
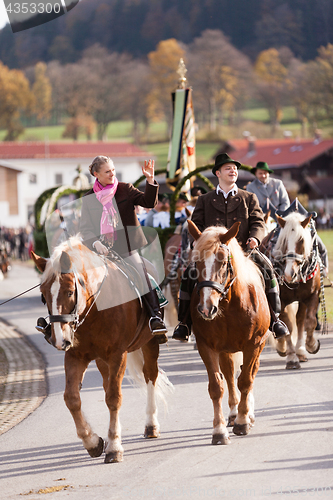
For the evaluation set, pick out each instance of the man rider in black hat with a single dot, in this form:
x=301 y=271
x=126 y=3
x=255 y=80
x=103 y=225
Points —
x=224 y=206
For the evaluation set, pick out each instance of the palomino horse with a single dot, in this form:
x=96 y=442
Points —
x=96 y=315
x=296 y=262
x=230 y=314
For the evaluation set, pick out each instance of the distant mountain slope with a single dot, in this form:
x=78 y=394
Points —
x=136 y=26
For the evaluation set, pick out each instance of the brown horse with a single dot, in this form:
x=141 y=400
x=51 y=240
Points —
x=4 y=263
x=96 y=315
x=230 y=314
x=297 y=264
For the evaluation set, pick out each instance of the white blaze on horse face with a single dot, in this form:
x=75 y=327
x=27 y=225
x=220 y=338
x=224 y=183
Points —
x=207 y=301
x=291 y=265
x=55 y=288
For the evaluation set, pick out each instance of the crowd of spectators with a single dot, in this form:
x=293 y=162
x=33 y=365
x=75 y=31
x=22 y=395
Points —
x=18 y=242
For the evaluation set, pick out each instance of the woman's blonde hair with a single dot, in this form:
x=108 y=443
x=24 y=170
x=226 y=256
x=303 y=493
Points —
x=97 y=162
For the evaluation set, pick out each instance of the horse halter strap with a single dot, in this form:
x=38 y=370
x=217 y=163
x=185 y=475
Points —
x=220 y=287
x=73 y=316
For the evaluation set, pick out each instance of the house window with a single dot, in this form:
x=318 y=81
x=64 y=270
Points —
x=32 y=178
x=58 y=178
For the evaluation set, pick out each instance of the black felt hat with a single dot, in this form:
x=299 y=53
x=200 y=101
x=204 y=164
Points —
x=195 y=189
x=221 y=160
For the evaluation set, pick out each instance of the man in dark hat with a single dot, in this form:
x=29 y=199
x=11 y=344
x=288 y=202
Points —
x=223 y=207
x=198 y=191
x=267 y=188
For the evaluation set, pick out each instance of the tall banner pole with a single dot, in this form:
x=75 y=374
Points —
x=181 y=157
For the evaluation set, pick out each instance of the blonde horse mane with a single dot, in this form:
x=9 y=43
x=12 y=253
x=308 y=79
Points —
x=245 y=269
x=291 y=233
x=81 y=257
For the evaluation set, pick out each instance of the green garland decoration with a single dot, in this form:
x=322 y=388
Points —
x=176 y=193
x=158 y=171
x=39 y=205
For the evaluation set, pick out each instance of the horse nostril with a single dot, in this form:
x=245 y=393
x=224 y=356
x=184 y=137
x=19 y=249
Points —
x=213 y=311
x=66 y=345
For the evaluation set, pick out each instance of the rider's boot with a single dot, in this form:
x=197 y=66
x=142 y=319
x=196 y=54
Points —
x=277 y=326
x=156 y=323
x=182 y=331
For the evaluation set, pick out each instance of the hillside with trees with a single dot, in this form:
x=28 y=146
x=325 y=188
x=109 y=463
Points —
x=103 y=87
x=135 y=27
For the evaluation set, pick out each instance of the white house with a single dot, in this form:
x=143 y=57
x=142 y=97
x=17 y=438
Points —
x=29 y=168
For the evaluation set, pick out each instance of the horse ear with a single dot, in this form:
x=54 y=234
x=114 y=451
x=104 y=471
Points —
x=39 y=261
x=281 y=221
x=188 y=212
x=266 y=216
x=233 y=231
x=306 y=221
x=65 y=263
x=193 y=230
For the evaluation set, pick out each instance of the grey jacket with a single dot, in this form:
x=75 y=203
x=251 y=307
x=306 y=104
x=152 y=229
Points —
x=274 y=191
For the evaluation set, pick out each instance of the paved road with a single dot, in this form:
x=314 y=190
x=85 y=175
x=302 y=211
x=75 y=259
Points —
x=288 y=454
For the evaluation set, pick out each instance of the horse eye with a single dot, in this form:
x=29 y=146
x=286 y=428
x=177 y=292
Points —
x=70 y=294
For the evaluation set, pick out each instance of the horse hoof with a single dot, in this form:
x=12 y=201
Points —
x=97 y=452
x=151 y=431
x=113 y=457
x=316 y=349
x=293 y=365
x=302 y=358
x=231 y=420
x=241 y=429
x=220 y=439
x=281 y=353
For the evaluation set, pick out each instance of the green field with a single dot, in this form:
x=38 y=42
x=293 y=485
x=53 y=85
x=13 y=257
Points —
x=327 y=237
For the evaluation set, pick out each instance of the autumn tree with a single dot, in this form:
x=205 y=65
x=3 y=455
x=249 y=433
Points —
x=42 y=92
x=136 y=101
x=73 y=92
x=321 y=83
x=163 y=63
x=217 y=71
x=15 y=98
x=272 y=83
x=108 y=75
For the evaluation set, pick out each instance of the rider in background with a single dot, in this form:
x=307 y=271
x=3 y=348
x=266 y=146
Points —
x=267 y=188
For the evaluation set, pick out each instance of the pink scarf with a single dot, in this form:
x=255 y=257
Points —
x=109 y=219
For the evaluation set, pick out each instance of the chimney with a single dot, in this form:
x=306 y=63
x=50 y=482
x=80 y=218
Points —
x=251 y=144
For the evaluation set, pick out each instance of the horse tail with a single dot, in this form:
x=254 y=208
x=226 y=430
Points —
x=135 y=362
x=238 y=362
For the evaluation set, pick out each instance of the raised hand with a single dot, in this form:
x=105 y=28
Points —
x=148 y=170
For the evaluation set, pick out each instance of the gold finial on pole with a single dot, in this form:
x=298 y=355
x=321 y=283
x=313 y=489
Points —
x=181 y=72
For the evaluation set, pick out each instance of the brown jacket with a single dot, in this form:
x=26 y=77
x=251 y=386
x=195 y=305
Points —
x=213 y=210
x=130 y=235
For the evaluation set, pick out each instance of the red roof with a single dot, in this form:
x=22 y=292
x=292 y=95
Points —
x=281 y=153
x=69 y=149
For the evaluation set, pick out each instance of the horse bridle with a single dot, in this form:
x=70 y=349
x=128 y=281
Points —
x=220 y=287
x=73 y=316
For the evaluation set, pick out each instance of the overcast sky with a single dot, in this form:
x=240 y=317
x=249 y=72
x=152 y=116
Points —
x=3 y=14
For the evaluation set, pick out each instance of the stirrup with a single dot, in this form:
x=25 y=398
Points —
x=279 y=329
x=180 y=333
x=161 y=329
